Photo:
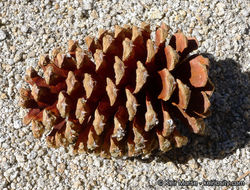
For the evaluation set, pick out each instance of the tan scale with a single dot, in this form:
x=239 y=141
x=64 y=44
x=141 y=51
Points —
x=141 y=77
x=131 y=104
x=168 y=84
x=120 y=122
x=119 y=70
x=64 y=104
x=83 y=110
x=150 y=116
x=112 y=91
x=72 y=83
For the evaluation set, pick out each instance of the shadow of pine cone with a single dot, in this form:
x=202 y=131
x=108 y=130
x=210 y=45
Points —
x=228 y=128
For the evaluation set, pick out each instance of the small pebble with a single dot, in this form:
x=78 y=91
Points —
x=87 y=4
x=2 y=35
x=18 y=57
x=24 y=29
x=155 y=14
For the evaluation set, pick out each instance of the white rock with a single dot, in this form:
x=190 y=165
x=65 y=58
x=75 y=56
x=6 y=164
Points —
x=29 y=43
x=2 y=35
x=18 y=57
x=110 y=180
x=97 y=163
x=17 y=124
x=183 y=13
x=20 y=158
x=24 y=29
x=155 y=14
x=7 y=173
x=14 y=175
x=104 y=188
x=221 y=7
x=2 y=139
x=87 y=4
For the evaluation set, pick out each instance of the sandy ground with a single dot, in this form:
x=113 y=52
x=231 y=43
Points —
x=31 y=28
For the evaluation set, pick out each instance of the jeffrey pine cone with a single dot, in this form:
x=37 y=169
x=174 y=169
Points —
x=125 y=96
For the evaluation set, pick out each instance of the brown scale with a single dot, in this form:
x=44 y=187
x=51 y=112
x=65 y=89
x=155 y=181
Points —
x=123 y=95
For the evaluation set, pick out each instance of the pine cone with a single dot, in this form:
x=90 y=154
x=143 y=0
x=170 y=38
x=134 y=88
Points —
x=124 y=96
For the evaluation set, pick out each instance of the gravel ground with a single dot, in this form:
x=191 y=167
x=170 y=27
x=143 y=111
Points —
x=31 y=27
